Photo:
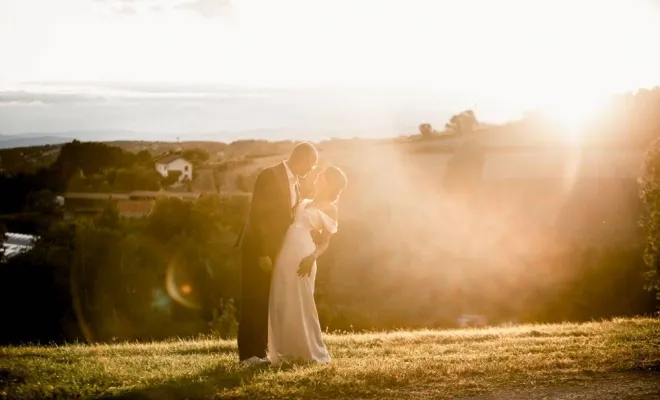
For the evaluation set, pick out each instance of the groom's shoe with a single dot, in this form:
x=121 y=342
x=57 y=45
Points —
x=252 y=361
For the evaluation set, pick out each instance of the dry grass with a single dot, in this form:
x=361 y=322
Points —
x=398 y=365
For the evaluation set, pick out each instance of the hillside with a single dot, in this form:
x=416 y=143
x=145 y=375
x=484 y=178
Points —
x=8 y=141
x=605 y=360
x=27 y=154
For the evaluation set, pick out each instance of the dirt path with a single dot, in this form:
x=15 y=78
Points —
x=640 y=386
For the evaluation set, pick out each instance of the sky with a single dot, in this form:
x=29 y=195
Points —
x=355 y=66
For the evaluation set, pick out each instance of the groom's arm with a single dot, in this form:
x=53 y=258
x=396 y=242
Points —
x=260 y=210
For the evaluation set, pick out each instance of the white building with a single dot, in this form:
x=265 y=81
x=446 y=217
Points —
x=17 y=243
x=175 y=162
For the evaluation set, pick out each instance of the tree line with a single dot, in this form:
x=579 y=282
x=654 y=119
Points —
x=176 y=273
x=107 y=278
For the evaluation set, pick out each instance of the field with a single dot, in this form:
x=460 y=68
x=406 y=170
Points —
x=602 y=359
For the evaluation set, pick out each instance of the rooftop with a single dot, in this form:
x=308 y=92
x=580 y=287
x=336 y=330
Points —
x=135 y=208
x=162 y=193
x=96 y=196
x=130 y=196
x=169 y=159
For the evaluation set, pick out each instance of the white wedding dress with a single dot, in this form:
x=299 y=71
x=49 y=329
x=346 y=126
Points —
x=294 y=331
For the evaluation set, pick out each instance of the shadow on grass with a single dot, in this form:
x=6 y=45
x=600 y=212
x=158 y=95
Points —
x=210 y=350
x=203 y=386
x=10 y=378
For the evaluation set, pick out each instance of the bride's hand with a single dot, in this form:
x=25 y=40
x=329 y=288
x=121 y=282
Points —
x=305 y=268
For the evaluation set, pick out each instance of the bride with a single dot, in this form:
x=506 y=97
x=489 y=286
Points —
x=294 y=331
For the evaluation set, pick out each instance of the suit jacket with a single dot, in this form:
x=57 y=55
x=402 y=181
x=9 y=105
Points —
x=270 y=214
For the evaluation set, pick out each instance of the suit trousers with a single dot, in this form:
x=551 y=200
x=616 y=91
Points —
x=253 y=320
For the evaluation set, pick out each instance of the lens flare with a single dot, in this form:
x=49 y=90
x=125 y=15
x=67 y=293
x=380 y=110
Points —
x=186 y=289
x=179 y=288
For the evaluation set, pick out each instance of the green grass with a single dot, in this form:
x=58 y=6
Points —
x=402 y=365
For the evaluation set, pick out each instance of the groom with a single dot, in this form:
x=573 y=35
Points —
x=274 y=198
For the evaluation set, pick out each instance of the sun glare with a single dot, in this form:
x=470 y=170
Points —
x=573 y=115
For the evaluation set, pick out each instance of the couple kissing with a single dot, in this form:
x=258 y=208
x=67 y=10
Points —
x=280 y=243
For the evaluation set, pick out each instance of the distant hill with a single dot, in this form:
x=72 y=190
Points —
x=8 y=142
x=29 y=139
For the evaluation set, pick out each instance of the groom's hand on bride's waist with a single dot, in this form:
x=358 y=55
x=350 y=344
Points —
x=265 y=263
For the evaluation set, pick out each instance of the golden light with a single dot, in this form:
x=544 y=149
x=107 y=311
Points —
x=573 y=114
x=178 y=286
x=186 y=289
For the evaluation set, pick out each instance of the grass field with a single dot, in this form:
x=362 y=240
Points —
x=401 y=365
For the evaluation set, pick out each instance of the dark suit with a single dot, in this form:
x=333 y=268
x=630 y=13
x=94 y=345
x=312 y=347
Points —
x=270 y=216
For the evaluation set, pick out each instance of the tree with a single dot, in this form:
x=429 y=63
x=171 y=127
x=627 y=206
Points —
x=77 y=181
x=98 y=183
x=426 y=130
x=136 y=178
x=172 y=217
x=109 y=217
x=224 y=323
x=171 y=178
x=147 y=179
x=650 y=194
x=42 y=202
x=95 y=159
x=196 y=156
x=461 y=123
x=43 y=205
x=144 y=158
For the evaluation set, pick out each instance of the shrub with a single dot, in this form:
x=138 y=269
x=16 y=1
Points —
x=171 y=178
x=650 y=194
x=224 y=323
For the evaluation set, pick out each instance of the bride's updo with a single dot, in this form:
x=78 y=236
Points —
x=336 y=182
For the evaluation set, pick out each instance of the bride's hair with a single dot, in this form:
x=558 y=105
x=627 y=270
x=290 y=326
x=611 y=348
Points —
x=336 y=180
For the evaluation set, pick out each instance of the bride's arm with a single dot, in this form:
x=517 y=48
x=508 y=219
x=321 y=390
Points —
x=322 y=245
x=305 y=268
x=331 y=211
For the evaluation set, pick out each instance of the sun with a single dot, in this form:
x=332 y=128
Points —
x=573 y=114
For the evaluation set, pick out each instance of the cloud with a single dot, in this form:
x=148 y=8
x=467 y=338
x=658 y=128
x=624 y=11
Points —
x=125 y=2
x=122 y=95
x=207 y=8
x=204 y=8
x=131 y=7
x=126 y=10
x=23 y=97
x=225 y=111
x=147 y=88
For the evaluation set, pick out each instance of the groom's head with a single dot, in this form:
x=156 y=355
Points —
x=303 y=159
